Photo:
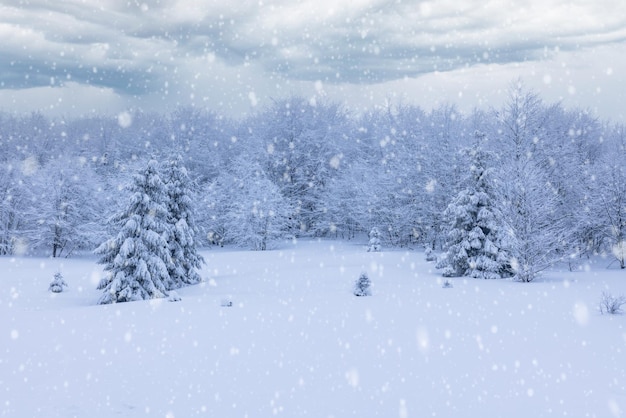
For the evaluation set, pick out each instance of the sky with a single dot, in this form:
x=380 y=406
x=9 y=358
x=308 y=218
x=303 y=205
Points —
x=77 y=57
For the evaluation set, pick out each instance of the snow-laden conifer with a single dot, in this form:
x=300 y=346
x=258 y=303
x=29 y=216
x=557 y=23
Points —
x=476 y=243
x=182 y=228
x=57 y=284
x=362 y=286
x=136 y=259
x=374 y=242
x=429 y=253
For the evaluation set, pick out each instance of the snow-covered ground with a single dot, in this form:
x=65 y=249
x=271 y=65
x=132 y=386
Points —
x=296 y=342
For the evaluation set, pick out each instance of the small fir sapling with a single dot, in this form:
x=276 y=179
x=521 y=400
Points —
x=430 y=254
x=374 y=243
x=57 y=284
x=447 y=284
x=362 y=287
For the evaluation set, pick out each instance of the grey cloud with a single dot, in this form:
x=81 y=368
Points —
x=137 y=47
x=393 y=40
x=54 y=45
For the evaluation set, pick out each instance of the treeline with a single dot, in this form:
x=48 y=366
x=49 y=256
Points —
x=304 y=168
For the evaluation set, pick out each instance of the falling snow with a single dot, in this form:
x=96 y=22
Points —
x=295 y=335
x=301 y=120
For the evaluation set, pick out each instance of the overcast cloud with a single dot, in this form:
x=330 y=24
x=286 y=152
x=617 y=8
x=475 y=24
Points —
x=79 y=56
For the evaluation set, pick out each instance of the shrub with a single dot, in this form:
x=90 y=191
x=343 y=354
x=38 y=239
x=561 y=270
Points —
x=610 y=304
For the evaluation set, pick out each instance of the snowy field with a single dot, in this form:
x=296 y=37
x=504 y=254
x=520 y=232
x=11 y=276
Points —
x=296 y=342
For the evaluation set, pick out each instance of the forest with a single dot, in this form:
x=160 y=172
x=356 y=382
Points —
x=309 y=168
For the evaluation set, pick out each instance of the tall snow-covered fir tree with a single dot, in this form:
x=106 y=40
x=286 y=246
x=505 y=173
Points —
x=181 y=241
x=137 y=258
x=476 y=244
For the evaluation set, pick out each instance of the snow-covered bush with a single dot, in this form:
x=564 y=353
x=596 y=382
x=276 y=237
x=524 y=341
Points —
x=362 y=287
x=611 y=304
x=57 y=284
x=215 y=238
x=430 y=254
x=174 y=297
x=374 y=243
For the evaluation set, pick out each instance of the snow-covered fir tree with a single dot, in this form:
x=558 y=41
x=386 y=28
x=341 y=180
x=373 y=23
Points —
x=476 y=244
x=374 y=242
x=136 y=259
x=57 y=284
x=185 y=259
x=362 y=286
